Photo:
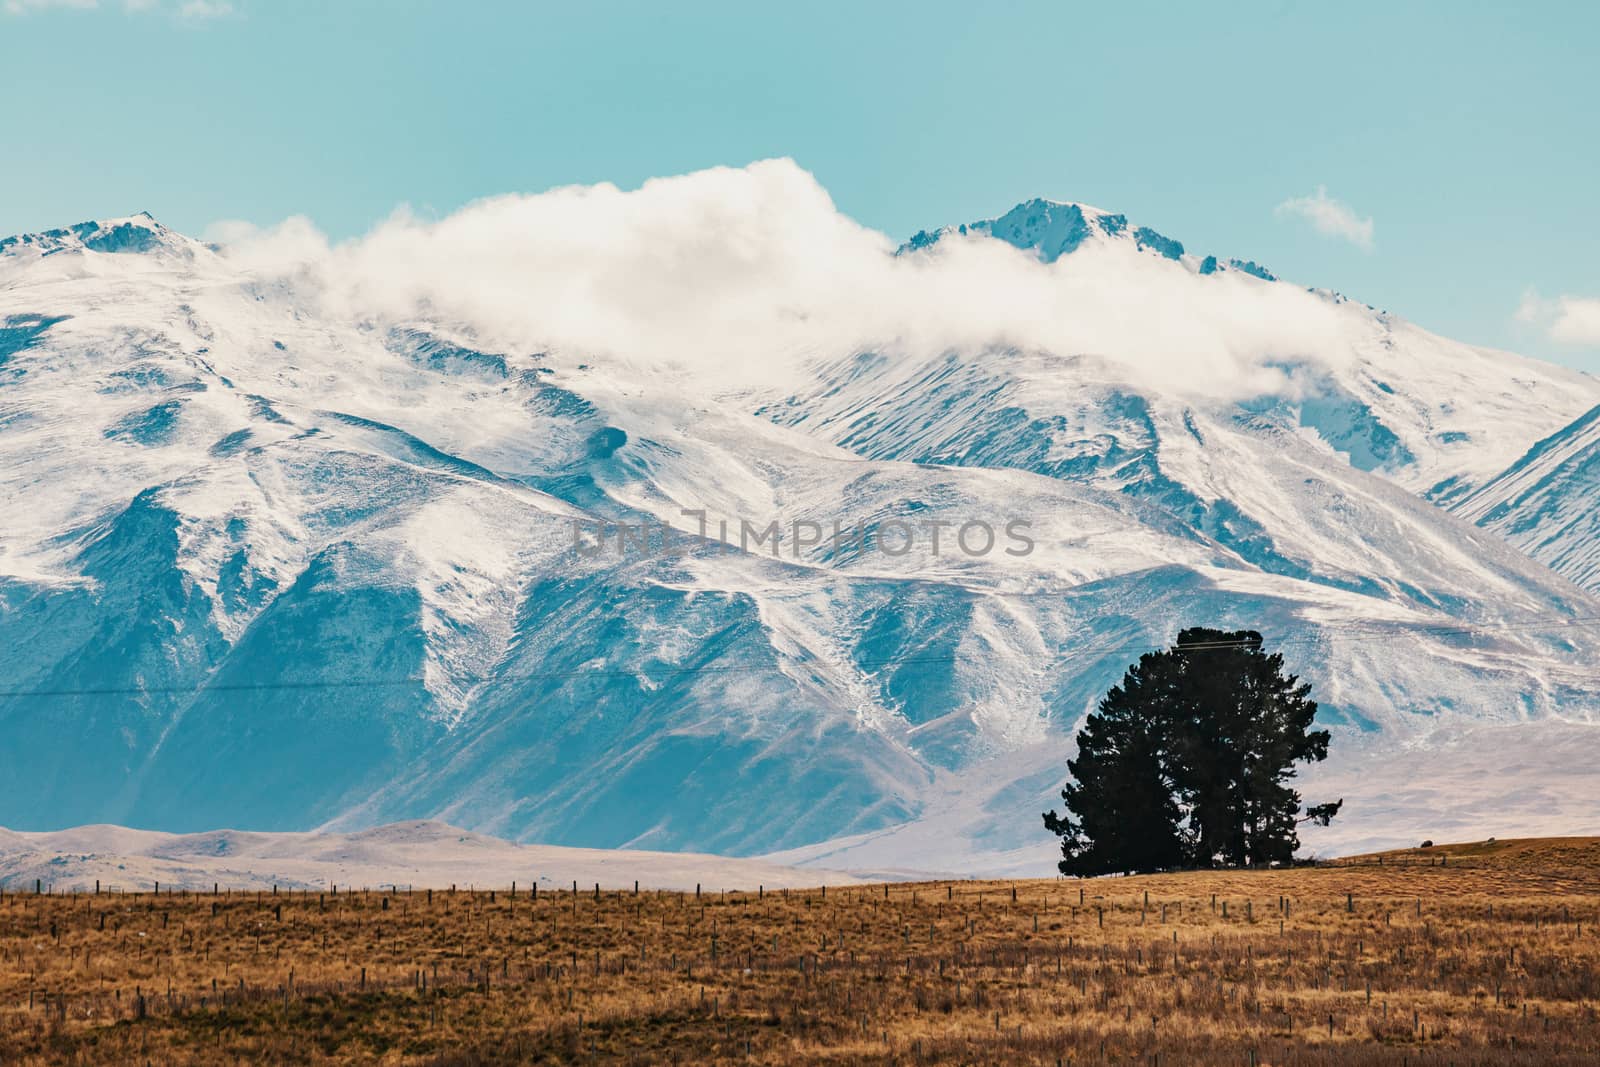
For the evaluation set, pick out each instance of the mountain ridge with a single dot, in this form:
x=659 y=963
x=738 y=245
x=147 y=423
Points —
x=1546 y=502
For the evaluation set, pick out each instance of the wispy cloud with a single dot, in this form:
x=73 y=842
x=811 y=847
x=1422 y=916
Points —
x=1330 y=217
x=1568 y=320
x=205 y=9
x=183 y=9
x=708 y=268
x=24 y=7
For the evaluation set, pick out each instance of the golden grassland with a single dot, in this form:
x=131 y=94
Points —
x=1464 y=954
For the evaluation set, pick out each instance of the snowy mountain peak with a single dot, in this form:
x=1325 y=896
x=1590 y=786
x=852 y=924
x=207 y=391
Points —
x=1055 y=228
x=139 y=233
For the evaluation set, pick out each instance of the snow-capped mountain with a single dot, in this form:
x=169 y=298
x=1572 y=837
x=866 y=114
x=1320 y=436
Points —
x=304 y=535
x=1547 y=503
x=1441 y=421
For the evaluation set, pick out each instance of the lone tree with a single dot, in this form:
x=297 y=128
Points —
x=1187 y=762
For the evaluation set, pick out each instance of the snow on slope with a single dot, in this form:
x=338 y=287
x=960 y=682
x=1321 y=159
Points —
x=1547 y=503
x=407 y=855
x=1433 y=414
x=1464 y=781
x=1460 y=781
x=293 y=540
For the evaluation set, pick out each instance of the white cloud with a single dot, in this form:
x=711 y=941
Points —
x=205 y=9
x=1330 y=217
x=187 y=9
x=24 y=7
x=1568 y=320
x=746 y=271
x=291 y=242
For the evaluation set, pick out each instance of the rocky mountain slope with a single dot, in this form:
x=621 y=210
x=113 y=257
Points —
x=1548 y=502
x=304 y=535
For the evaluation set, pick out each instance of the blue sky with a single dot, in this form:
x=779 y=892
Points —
x=1457 y=145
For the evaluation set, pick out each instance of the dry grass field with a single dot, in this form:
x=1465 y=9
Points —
x=1466 y=955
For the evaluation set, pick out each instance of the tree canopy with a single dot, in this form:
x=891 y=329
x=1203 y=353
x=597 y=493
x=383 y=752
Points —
x=1188 y=762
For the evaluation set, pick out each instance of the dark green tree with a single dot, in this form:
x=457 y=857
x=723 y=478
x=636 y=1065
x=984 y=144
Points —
x=1122 y=809
x=1243 y=724
x=1189 y=761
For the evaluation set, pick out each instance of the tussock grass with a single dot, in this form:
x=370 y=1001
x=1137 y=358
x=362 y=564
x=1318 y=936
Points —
x=1492 y=957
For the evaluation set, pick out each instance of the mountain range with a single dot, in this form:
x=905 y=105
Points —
x=311 y=535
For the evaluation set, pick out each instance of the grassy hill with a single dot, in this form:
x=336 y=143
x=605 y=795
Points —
x=1483 y=953
x=1536 y=854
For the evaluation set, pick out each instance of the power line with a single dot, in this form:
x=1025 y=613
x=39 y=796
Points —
x=1375 y=629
